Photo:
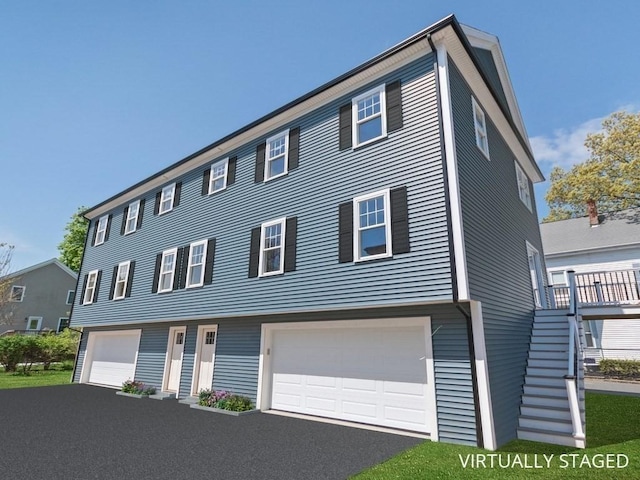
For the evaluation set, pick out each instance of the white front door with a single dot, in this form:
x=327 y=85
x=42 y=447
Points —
x=175 y=349
x=205 y=356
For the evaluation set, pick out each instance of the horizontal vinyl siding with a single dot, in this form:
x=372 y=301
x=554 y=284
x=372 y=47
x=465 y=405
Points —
x=325 y=178
x=82 y=349
x=497 y=226
x=152 y=354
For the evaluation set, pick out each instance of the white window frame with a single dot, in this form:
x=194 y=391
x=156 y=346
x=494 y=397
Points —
x=355 y=123
x=267 y=155
x=564 y=275
x=132 y=219
x=101 y=230
x=122 y=266
x=523 y=186
x=89 y=299
x=480 y=129
x=191 y=264
x=261 y=263
x=69 y=298
x=29 y=319
x=168 y=195
x=11 y=295
x=212 y=179
x=174 y=252
x=387 y=224
x=59 y=322
x=588 y=325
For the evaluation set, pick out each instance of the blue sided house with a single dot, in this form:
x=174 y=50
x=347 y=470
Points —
x=369 y=252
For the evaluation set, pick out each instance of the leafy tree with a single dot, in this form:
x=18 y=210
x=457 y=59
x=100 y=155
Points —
x=72 y=244
x=610 y=176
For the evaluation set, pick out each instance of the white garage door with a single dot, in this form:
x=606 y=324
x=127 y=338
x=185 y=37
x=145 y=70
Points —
x=111 y=357
x=373 y=375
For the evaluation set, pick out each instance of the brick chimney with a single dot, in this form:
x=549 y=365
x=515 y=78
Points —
x=592 y=210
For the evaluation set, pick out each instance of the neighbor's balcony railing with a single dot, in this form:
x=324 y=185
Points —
x=600 y=288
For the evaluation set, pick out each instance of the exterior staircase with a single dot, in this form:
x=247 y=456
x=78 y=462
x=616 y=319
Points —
x=545 y=411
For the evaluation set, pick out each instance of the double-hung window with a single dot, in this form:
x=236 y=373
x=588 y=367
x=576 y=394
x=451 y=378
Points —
x=369 y=116
x=122 y=277
x=272 y=237
x=132 y=217
x=523 y=186
x=101 y=230
x=167 y=270
x=276 y=161
x=480 y=125
x=166 y=198
x=17 y=293
x=71 y=294
x=218 y=178
x=372 y=226
x=196 y=266
x=90 y=289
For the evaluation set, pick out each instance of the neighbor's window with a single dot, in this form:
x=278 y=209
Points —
x=34 y=323
x=17 y=293
x=166 y=198
x=167 y=268
x=71 y=294
x=218 y=179
x=372 y=226
x=272 y=248
x=132 y=217
x=101 y=231
x=369 y=116
x=480 y=124
x=523 y=186
x=122 y=277
x=558 y=279
x=588 y=334
x=195 y=270
x=276 y=155
x=90 y=289
x=63 y=323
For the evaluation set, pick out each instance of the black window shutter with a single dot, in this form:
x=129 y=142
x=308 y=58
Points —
x=95 y=231
x=231 y=171
x=98 y=280
x=290 y=244
x=113 y=282
x=259 y=174
x=208 y=266
x=394 y=106
x=132 y=267
x=177 y=267
x=254 y=253
x=140 y=213
x=399 y=221
x=176 y=196
x=125 y=214
x=156 y=207
x=108 y=230
x=345 y=127
x=294 y=148
x=84 y=287
x=206 y=177
x=184 y=264
x=345 y=235
x=156 y=273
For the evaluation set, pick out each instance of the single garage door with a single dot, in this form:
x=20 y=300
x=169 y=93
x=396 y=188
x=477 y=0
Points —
x=111 y=357
x=374 y=375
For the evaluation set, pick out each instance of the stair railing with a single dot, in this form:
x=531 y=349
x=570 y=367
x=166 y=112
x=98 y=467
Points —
x=571 y=378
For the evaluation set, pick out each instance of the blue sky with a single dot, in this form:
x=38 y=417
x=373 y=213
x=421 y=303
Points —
x=95 y=96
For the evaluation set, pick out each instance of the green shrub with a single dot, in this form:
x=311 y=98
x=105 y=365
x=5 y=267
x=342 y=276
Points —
x=18 y=349
x=224 y=400
x=137 y=387
x=620 y=368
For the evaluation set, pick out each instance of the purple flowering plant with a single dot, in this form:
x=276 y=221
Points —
x=137 y=387
x=224 y=400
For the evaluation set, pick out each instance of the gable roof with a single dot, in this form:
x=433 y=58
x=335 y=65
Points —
x=53 y=261
x=575 y=235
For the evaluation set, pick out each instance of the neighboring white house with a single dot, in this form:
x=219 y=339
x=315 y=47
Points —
x=604 y=251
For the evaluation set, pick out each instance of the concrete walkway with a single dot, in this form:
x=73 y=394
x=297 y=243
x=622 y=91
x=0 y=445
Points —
x=612 y=386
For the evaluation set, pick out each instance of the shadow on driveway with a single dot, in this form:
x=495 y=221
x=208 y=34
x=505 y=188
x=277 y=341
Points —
x=85 y=432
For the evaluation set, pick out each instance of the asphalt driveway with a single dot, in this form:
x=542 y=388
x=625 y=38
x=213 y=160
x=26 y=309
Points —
x=83 y=432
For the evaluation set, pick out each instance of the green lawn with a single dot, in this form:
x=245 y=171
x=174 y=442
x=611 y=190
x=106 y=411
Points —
x=613 y=427
x=36 y=378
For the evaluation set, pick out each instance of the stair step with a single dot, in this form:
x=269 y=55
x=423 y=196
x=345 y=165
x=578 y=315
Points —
x=550 y=425
x=551 y=339
x=547 y=355
x=545 y=401
x=551 y=313
x=558 y=392
x=551 y=326
x=539 y=411
x=537 y=435
x=550 y=372
x=188 y=400
x=557 y=347
x=545 y=381
x=545 y=363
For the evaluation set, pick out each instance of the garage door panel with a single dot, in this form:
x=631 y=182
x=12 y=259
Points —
x=370 y=375
x=112 y=357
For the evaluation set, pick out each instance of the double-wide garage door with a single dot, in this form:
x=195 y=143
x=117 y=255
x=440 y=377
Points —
x=368 y=374
x=111 y=357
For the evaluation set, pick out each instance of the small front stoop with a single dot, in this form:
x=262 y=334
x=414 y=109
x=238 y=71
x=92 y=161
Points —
x=545 y=415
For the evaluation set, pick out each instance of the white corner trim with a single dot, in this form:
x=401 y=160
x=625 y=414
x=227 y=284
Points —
x=452 y=175
x=482 y=376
